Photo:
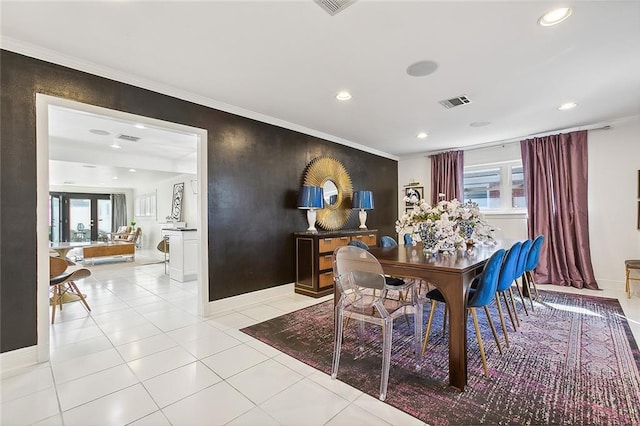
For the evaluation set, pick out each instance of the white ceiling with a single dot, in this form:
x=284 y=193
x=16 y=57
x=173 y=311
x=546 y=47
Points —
x=285 y=61
x=81 y=157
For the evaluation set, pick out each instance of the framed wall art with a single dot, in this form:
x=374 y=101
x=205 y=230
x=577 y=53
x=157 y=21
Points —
x=176 y=203
x=411 y=191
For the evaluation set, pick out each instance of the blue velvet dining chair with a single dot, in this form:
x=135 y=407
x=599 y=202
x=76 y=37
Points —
x=522 y=263
x=532 y=263
x=387 y=241
x=480 y=296
x=358 y=243
x=505 y=280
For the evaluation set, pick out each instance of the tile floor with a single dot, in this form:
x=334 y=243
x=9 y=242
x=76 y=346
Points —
x=143 y=357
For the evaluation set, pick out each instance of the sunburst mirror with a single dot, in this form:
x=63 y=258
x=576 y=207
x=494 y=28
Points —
x=330 y=174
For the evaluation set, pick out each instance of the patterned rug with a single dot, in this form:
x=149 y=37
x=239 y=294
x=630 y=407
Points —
x=573 y=361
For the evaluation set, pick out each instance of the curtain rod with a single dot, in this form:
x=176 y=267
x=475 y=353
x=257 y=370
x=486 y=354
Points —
x=512 y=140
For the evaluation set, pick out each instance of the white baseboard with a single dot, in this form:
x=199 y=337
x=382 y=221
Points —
x=18 y=358
x=242 y=300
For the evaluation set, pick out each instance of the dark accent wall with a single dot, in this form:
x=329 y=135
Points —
x=254 y=172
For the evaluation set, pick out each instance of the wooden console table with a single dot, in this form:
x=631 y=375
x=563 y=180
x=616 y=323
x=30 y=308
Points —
x=314 y=251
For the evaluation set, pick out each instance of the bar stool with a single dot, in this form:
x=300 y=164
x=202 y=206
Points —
x=163 y=246
x=629 y=266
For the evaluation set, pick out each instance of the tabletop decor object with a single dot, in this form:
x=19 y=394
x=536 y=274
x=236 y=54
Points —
x=311 y=198
x=363 y=200
x=445 y=227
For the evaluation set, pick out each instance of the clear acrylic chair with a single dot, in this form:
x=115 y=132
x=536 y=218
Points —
x=361 y=282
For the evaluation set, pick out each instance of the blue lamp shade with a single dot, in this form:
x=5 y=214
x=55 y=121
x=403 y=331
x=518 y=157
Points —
x=311 y=197
x=363 y=200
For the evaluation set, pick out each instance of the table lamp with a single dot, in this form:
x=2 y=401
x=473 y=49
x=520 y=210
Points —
x=363 y=200
x=311 y=198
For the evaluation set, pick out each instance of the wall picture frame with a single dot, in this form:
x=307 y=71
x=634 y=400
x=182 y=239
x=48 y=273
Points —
x=418 y=191
x=176 y=202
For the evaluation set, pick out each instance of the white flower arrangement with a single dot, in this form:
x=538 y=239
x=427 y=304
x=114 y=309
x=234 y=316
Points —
x=445 y=227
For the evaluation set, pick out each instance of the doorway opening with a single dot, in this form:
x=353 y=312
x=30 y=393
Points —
x=85 y=217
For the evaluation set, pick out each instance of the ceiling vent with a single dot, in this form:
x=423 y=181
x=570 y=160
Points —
x=128 y=138
x=454 y=102
x=334 y=6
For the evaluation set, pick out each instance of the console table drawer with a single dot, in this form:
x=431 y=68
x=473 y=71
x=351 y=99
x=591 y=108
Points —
x=368 y=239
x=326 y=245
x=326 y=261
x=326 y=279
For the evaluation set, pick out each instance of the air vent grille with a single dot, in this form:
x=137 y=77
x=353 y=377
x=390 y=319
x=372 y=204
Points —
x=334 y=6
x=128 y=138
x=454 y=102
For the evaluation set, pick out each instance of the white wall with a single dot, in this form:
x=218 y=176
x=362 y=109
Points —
x=151 y=226
x=614 y=161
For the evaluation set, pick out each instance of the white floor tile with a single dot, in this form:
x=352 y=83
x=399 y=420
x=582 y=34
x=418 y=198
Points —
x=94 y=386
x=30 y=380
x=305 y=403
x=132 y=334
x=146 y=347
x=254 y=417
x=336 y=386
x=84 y=365
x=386 y=412
x=232 y=320
x=119 y=408
x=355 y=416
x=50 y=421
x=177 y=384
x=216 y=405
x=264 y=380
x=86 y=347
x=262 y=312
x=161 y=362
x=207 y=346
x=153 y=419
x=234 y=360
x=30 y=408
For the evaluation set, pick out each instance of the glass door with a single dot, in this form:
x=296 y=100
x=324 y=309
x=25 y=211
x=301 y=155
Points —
x=80 y=217
x=55 y=218
x=80 y=220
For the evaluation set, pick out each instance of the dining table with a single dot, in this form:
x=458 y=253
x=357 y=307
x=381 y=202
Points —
x=452 y=274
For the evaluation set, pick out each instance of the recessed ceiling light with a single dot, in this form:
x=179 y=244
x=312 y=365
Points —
x=115 y=145
x=567 y=106
x=479 y=123
x=554 y=16
x=140 y=126
x=99 y=132
x=89 y=166
x=343 y=96
x=422 y=68
x=132 y=170
x=422 y=135
x=115 y=177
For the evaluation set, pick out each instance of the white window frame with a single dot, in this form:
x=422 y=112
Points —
x=506 y=187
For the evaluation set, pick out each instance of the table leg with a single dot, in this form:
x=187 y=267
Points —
x=455 y=297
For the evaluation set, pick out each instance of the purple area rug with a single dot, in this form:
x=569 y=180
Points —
x=573 y=361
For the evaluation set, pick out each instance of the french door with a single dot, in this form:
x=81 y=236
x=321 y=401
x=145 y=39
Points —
x=79 y=217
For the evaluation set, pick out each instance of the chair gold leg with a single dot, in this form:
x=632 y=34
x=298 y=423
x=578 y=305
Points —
x=525 y=281
x=513 y=304
x=426 y=334
x=535 y=287
x=493 y=329
x=627 y=285
x=504 y=326
x=521 y=297
x=479 y=337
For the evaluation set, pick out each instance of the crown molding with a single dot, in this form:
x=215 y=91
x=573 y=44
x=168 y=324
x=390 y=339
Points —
x=49 y=55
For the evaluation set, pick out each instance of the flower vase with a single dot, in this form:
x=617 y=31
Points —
x=429 y=239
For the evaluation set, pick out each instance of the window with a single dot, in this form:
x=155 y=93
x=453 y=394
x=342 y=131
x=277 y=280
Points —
x=145 y=205
x=496 y=187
